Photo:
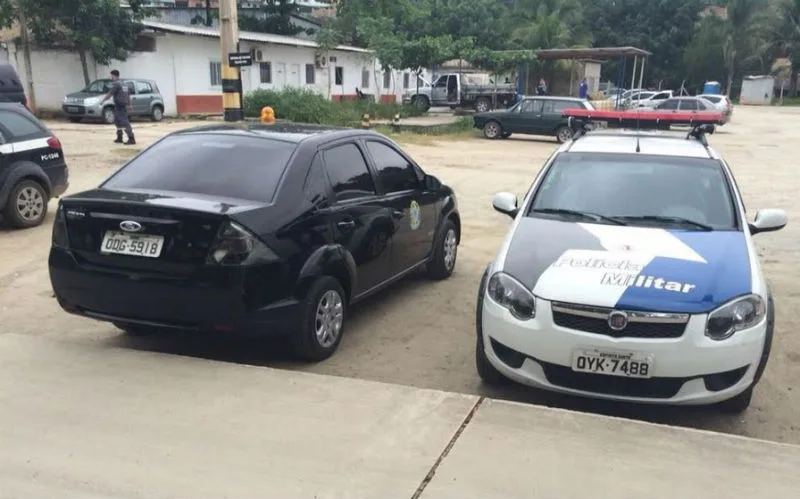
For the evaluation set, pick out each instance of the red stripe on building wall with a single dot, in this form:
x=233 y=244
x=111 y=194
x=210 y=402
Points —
x=198 y=104
x=385 y=98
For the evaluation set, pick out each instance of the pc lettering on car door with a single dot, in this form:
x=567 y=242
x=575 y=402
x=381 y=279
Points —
x=362 y=220
x=413 y=207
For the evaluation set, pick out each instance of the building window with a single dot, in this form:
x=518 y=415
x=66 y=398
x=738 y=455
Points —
x=339 y=76
x=387 y=79
x=364 y=78
x=265 y=72
x=311 y=74
x=406 y=78
x=215 y=73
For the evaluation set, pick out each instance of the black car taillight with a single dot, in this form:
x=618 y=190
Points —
x=60 y=236
x=235 y=245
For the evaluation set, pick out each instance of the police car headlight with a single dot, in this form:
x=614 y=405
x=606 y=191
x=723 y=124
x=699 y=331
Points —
x=512 y=295
x=742 y=313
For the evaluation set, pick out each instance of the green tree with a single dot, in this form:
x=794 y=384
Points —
x=101 y=28
x=783 y=36
x=277 y=19
x=744 y=24
x=704 y=57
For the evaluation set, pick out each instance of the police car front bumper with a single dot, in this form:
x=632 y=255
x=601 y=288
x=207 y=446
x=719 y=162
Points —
x=690 y=370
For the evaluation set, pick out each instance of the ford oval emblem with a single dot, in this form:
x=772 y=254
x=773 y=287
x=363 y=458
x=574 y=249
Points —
x=130 y=226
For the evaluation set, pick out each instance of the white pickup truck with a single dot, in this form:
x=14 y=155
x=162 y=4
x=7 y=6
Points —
x=461 y=90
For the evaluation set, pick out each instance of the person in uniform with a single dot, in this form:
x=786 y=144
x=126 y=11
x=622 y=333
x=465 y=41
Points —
x=122 y=102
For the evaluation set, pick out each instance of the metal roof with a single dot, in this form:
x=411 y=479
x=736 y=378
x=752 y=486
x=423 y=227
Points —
x=650 y=142
x=591 y=53
x=245 y=36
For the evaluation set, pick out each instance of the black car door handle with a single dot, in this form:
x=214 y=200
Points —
x=346 y=224
x=398 y=214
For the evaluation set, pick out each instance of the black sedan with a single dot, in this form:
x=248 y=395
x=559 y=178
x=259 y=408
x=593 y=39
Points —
x=252 y=228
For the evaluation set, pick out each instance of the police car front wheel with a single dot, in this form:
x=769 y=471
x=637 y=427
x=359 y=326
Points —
x=27 y=205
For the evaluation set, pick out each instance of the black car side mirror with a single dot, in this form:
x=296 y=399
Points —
x=432 y=183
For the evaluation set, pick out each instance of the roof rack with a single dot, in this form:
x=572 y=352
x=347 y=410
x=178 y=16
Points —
x=581 y=121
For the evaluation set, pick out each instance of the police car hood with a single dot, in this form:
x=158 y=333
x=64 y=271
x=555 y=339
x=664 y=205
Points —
x=633 y=268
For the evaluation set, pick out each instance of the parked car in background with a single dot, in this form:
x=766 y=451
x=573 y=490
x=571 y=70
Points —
x=32 y=167
x=461 y=90
x=252 y=228
x=649 y=100
x=720 y=102
x=11 y=89
x=88 y=104
x=539 y=115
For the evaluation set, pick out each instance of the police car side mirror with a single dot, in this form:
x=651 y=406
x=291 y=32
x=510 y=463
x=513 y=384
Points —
x=768 y=221
x=505 y=203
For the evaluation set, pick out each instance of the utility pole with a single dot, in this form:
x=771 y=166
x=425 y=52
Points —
x=26 y=52
x=231 y=77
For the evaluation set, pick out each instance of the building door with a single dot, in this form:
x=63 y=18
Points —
x=280 y=74
x=294 y=75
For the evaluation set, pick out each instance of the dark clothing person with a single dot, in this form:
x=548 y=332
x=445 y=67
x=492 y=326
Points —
x=583 y=89
x=541 y=89
x=121 y=97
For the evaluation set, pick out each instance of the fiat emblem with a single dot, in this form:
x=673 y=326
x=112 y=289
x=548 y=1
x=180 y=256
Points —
x=130 y=226
x=617 y=320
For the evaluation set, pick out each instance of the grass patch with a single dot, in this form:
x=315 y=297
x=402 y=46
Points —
x=788 y=101
x=307 y=106
x=430 y=135
x=126 y=152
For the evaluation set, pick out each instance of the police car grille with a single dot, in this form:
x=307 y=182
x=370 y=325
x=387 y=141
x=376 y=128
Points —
x=641 y=324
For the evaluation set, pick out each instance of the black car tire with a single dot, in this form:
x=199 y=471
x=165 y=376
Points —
x=737 y=404
x=305 y=340
x=492 y=130
x=30 y=190
x=488 y=373
x=482 y=105
x=158 y=113
x=75 y=119
x=421 y=103
x=136 y=329
x=505 y=135
x=563 y=134
x=108 y=115
x=445 y=252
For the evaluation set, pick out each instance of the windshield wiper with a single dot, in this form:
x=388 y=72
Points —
x=675 y=220
x=584 y=214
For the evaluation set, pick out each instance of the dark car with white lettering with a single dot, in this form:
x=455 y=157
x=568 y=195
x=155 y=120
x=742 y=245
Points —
x=32 y=167
x=252 y=228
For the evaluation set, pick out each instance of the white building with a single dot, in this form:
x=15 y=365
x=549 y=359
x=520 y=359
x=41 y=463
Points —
x=185 y=62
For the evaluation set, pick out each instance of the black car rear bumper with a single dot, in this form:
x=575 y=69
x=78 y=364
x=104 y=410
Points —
x=204 y=302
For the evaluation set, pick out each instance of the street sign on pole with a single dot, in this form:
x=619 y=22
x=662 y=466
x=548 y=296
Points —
x=240 y=59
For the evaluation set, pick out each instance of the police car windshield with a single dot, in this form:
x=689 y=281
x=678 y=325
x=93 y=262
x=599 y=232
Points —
x=223 y=165
x=638 y=189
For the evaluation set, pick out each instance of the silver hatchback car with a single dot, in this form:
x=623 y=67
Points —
x=88 y=104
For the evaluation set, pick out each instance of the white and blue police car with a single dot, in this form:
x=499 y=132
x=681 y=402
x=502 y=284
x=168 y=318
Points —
x=630 y=273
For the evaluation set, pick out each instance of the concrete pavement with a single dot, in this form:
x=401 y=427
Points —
x=82 y=420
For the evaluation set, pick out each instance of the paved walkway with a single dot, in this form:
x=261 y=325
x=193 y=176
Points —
x=80 y=420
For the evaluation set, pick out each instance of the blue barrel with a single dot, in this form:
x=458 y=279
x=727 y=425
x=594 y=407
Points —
x=712 y=87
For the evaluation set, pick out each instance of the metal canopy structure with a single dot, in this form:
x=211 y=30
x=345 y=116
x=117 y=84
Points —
x=604 y=53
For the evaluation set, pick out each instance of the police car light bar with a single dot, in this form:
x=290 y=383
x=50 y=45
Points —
x=644 y=119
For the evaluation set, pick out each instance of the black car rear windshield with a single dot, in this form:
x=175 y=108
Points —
x=231 y=166
x=630 y=186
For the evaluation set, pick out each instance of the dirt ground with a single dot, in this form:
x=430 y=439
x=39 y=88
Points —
x=422 y=333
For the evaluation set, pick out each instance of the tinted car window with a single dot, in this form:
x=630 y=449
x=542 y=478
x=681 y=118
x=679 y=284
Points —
x=620 y=185
x=669 y=104
x=209 y=164
x=316 y=183
x=142 y=87
x=531 y=106
x=395 y=173
x=348 y=172
x=18 y=125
